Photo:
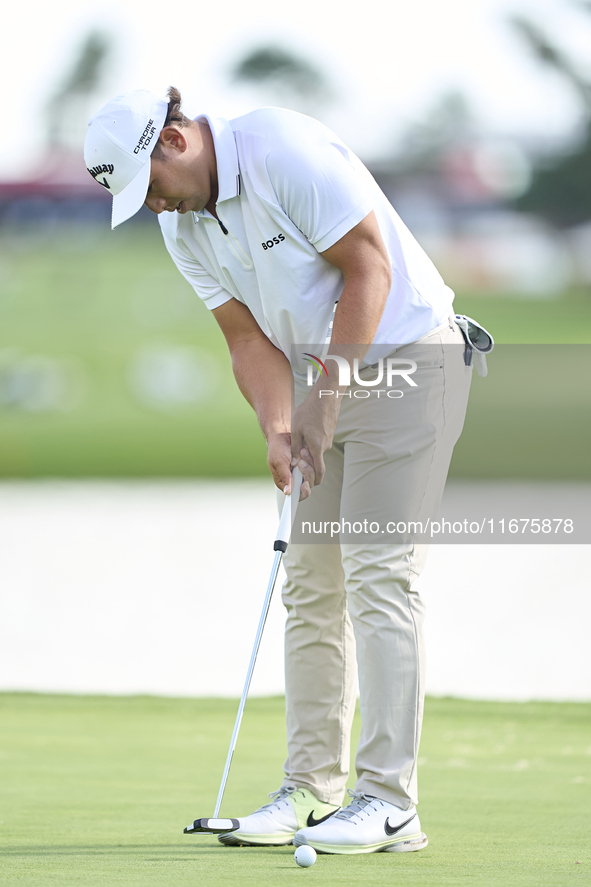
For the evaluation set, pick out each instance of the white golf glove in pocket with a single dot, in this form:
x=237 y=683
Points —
x=479 y=343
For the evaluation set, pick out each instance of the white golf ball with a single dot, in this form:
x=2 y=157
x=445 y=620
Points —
x=305 y=856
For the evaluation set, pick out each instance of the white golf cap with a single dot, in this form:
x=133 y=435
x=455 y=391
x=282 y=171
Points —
x=119 y=142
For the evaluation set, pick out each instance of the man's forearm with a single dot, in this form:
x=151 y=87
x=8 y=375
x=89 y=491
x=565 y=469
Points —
x=263 y=375
x=357 y=318
x=367 y=278
x=360 y=308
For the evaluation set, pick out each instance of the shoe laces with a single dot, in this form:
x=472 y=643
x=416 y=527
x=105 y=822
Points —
x=357 y=807
x=280 y=796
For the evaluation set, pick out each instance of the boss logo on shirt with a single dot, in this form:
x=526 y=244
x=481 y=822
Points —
x=271 y=243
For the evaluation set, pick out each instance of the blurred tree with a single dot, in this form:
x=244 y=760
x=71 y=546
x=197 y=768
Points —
x=284 y=76
x=448 y=123
x=560 y=189
x=67 y=108
x=546 y=52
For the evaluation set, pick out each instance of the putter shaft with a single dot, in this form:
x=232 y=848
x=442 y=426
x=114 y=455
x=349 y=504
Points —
x=253 y=659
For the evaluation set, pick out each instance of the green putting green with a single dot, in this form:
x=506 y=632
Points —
x=97 y=790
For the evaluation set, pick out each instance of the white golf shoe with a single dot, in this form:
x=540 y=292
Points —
x=276 y=823
x=366 y=825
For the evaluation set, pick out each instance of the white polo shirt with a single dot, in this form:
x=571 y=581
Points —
x=289 y=189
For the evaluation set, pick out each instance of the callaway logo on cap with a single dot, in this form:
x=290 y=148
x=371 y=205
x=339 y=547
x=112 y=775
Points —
x=119 y=142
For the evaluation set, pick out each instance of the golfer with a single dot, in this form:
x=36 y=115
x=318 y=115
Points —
x=289 y=241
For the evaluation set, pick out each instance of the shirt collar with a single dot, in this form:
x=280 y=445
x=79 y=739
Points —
x=226 y=157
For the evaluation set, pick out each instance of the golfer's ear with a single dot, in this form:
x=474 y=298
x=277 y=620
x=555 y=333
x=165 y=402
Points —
x=173 y=139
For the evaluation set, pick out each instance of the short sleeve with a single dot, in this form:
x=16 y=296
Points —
x=320 y=184
x=207 y=288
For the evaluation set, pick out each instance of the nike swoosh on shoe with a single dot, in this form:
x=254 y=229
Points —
x=312 y=822
x=392 y=831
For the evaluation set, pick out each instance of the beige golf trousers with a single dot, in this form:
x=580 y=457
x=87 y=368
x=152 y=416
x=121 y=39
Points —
x=352 y=610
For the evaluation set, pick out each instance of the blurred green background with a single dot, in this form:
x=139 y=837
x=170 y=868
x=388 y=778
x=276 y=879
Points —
x=111 y=366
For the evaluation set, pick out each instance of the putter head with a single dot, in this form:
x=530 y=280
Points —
x=212 y=826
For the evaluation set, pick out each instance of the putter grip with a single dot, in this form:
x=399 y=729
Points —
x=289 y=511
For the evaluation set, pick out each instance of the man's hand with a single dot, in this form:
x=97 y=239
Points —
x=313 y=427
x=279 y=461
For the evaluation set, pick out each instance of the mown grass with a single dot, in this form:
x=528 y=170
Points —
x=97 y=790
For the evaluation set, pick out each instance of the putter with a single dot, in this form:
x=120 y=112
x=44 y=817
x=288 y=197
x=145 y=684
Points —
x=216 y=825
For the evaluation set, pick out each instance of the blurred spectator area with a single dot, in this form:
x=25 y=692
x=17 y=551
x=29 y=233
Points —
x=496 y=213
x=60 y=191
x=459 y=208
